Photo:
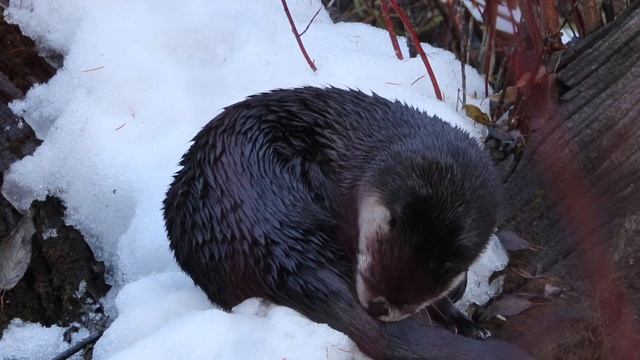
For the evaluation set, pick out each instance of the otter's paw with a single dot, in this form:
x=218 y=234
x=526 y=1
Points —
x=468 y=328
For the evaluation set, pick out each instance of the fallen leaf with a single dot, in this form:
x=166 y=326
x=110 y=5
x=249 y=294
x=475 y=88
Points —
x=477 y=115
x=15 y=253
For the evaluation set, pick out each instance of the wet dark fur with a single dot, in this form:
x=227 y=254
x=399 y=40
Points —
x=264 y=207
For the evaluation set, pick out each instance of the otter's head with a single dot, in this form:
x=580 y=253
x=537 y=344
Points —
x=419 y=231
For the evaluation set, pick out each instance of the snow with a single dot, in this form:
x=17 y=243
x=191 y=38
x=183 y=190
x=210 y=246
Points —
x=568 y=34
x=260 y=331
x=139 y=80
x=506 y=18
x=23 y=340
x=479 y=290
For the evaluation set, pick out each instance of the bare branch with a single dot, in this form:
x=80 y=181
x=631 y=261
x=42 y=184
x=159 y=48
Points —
x=392 y=34
x=416 y=41
x=297 y=35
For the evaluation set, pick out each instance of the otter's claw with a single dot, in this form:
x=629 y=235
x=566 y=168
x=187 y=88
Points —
x=468 y=328
x=458 y=321
x=484 y=334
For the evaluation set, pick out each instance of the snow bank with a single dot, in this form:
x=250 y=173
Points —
x=184 y=323
x=140 y=78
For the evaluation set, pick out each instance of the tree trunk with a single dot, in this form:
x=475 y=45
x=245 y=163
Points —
x=576 y=194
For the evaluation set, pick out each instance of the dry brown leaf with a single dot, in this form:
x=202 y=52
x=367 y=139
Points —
x=477 y=115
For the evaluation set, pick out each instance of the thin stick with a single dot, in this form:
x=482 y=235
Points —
x=467 y=49
x=418 y=79
x=311 y=21
x=315 y=16
x=392 y=33
x=490 y=17
x=297 y=35
x=416 y=42
x=463 y=54
x=79 y=346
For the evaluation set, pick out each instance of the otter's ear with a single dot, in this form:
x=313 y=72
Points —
x=374 y=220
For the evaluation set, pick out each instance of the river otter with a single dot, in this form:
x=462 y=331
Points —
x=351 y=209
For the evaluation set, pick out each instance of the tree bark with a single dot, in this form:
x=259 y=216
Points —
x=576 y=194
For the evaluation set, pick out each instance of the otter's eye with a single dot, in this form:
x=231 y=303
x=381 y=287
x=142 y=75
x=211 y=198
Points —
x=392 y=223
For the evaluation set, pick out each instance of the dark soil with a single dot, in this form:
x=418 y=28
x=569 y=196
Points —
x=64 y=282
x=20 y=64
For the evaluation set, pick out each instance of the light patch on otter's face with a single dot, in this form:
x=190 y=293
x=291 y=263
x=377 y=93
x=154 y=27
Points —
x=373 y=222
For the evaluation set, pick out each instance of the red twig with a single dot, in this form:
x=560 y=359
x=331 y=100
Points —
x=392 y=34
x=416 y=41
x=531 y=18
x=297 y=35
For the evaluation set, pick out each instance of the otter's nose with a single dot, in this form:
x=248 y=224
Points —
x=378 y=308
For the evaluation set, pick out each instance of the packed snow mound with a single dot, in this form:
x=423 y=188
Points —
x=140 y=78
x=179 y=320
x=23 y=340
